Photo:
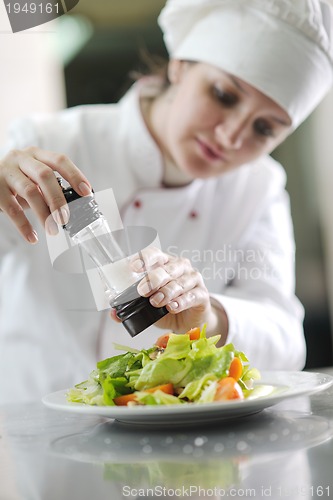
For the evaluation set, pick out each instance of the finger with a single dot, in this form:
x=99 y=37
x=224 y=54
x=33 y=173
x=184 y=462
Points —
x=66 y=168
x=148 y=258
x=113 y=315
x=195 y=298
x=50 y=226
x=174 y=289
x=153 y=281
x=14 y=211
x=161 y=275
x=49 y=196
x=22 y=202
x=21 y=185
x=177 y=267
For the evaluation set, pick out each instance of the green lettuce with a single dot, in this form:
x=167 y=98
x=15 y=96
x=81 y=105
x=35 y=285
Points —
x=193 y=367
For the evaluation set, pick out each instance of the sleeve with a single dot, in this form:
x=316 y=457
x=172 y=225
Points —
x=265 y=317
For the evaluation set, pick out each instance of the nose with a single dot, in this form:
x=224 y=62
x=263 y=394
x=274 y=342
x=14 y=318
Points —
x=230 y=132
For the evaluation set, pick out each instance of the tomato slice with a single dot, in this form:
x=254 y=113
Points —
x=162 y=341
x=167 y=388
x=194 y=333
x=126 y=398
x=236 y=369
x=227 y=389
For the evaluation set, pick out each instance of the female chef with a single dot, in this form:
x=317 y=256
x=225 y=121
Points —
x=190 y=159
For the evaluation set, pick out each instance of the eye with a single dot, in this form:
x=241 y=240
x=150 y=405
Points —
x=263 y=127
x=227 y=98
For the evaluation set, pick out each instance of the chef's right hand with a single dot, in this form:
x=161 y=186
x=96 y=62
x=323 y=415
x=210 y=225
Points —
x=27 y=179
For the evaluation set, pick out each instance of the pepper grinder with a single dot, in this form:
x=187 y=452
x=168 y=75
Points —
x=88 y=228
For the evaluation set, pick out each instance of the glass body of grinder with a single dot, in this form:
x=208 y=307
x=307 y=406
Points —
x=88 y=228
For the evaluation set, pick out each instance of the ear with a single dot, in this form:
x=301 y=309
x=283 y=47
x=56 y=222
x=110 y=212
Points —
x=175 y=70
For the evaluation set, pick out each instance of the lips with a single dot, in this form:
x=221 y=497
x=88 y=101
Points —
x=209 y=151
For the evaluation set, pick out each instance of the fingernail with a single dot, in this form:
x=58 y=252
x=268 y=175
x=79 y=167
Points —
x=157 y=298
x=84 y=189
x=174 y=305
x=61 y=216
x=138 y=265
x=144 y=289
x=51 y=227
x=32 y=237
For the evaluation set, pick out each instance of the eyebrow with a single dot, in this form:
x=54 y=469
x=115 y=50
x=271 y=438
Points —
x=236 y=83
x=281 y=121
x=239 y=86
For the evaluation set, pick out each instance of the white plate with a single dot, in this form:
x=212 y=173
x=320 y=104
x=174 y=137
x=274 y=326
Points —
x=276 y=387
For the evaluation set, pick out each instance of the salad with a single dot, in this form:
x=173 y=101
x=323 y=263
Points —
x=178 y=369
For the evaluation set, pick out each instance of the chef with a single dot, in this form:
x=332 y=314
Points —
x=188 y=156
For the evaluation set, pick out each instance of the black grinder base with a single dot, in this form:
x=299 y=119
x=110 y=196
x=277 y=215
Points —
x=136 y=312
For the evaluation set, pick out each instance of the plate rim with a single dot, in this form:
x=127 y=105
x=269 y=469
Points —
x=238 y=408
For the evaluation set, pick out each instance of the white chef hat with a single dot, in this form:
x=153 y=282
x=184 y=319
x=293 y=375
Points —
x=284 y=48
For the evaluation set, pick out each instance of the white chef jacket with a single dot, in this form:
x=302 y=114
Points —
x=235 y=228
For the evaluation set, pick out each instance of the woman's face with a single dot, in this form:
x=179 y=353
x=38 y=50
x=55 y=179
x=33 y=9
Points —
x=212 y=122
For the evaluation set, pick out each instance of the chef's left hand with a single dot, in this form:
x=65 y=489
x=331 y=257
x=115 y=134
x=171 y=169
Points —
x=172 y=282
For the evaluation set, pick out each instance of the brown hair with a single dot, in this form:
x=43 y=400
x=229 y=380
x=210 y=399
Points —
x=153 y=65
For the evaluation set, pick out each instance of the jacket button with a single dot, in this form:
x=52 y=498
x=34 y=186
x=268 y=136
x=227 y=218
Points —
x=137 y=204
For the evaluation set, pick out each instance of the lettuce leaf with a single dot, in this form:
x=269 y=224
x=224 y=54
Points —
x=157 y=398
x=193 y=367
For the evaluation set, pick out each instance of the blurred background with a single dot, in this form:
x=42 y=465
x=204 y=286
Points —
x=86 y=57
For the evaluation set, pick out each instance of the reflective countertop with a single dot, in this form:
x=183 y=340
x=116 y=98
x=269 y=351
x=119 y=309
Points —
x=285 y=451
